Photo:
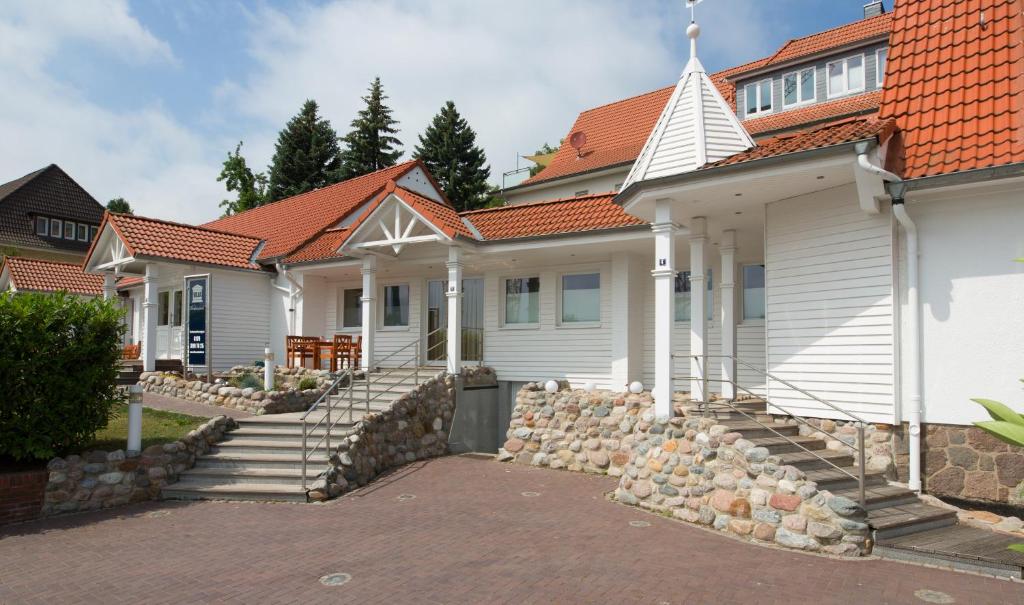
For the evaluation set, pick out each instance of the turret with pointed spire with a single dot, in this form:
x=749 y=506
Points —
x=697 y=126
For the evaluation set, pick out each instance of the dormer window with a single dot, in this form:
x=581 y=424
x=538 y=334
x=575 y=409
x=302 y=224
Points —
x=798 y=87
x=758 y=97
x=846 y=76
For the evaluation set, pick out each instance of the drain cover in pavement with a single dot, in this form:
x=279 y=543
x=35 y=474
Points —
x=404 y=497
x=639 y=524
x=531 y=494
x=158 y=513
x=335 y=579
x=933 y=596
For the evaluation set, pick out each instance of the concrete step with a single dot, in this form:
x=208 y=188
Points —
x=262 y=476
x=903 y=519
x=290 y=435
x=785 y=445
x=189 y=490
x=246 y=447
x=880 y=496
x=819 y=459
x=234 y=460
x=752 y=430
x=832 y=479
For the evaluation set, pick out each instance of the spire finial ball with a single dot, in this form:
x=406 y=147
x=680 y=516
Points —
x=692 y=31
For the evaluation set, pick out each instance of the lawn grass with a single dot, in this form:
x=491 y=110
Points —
x=158 y=426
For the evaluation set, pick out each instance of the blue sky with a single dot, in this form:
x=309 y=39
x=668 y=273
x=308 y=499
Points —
x=143 y=99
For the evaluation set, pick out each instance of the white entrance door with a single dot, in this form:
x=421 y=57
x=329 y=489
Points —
x=472 y=320
x=168 y=325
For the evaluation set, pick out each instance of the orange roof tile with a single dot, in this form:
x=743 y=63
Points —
x=32 y=275
x=836 y=133
x=844 y=35
x=149 y=237
x=616 y=132
x=323 y=247
x=571 y=215
x=128 y=282
x=955 y=85
x=815 y=113
x=287 y=224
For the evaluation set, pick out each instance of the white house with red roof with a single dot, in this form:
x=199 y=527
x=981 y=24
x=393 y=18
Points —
x=849 y=208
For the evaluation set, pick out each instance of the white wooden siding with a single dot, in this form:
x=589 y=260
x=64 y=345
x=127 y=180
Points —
x=829 y=302
x=388 y=340
x=240 y=318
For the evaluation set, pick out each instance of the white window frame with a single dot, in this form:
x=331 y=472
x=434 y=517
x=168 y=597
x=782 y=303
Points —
x=709 y=297
x=879 y=68
x=743 y=288
x=408 y=316
x=82 y=232
x=45 y=222
x=56 y=228
x=92 y=232
x=503 y=304
x=339 y=322
x=69 y=233
x=814 y=85
x=162 y=322
x=757 y=86
x=561 y=323
x=846 y=76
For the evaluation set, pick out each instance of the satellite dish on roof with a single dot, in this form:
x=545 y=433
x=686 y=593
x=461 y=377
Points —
x=577 y=140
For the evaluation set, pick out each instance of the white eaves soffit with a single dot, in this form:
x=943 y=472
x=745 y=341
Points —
x=697 y=126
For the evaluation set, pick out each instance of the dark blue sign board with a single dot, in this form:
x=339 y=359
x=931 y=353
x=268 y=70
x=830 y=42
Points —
x=197 y=297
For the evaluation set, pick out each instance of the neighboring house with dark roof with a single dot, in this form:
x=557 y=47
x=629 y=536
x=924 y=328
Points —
x=46 y=214
x=689 y=245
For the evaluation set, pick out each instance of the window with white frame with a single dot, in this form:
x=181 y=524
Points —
x=92 y=233
x=82 y=232
x=176 y=309
x=798 y=87
x=69 y=230
x=581 y=298
x=682 y=296
x=753 y=292
x=396 y=306
x=881 y=56
x=846 y=76
x=350 y=308
x=163 y=307
x=56 y=227
x=522 y=300
x=42 y=225
x=758 y=97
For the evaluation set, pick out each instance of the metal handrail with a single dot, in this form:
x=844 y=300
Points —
x=326 y=438
x=444 y=343
x=860 y=449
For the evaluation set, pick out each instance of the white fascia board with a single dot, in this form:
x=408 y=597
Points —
x=640 y=232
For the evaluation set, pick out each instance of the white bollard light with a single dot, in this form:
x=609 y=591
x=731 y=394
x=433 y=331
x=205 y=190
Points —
x=636 y=387
x=589 y=387
x=551 y=386
x=268 y=369
x=134 y=420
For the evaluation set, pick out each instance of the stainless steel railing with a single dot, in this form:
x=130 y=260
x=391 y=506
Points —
x=702 y=376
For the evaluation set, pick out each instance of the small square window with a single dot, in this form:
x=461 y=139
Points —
x=581 y=298
x=351 y=308
x=42 y=225
x=798 y=87
x=846 y=76
x=522 y=300
x=83 y=232
x=758 y=97
x=56 y=227
x=396 y=306
x=69 y=230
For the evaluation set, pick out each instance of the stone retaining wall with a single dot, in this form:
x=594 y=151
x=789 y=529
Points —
x=255 y=401
x=100 y=479
x=415 y=427
x=689 y=468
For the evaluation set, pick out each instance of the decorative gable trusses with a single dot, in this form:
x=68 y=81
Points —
x=697 y=126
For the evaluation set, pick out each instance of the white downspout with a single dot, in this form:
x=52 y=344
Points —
x=294 y=291
x=913 y=319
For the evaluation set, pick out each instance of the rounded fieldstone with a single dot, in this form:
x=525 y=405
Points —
x=845 y=507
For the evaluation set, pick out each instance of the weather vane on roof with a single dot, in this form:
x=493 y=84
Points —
x=691 y=4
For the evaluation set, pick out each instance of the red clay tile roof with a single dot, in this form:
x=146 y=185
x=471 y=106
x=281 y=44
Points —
x=955 y=87
x=291 y=222
x=28 y=274
x=164 y=239
x=844 y=35
x=815 y=113
x=836 y=133
x=128 y=282
x=571 y=215
x=323 y=247
x=617 y=132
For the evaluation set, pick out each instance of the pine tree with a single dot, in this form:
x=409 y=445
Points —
x=251 y=187
x=448 y=149
x=306 y=155
x=371 y=145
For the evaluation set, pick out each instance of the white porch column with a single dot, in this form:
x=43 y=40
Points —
x=108 y=286
x=454 y=295
x=664 y=281
x=629 y=285
x=369 y=271
x=149 y=319
x=698 y=309
x=727 y=284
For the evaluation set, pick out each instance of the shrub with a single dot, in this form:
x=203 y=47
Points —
x=247 y=381
x=307 y=383
x=58 y=372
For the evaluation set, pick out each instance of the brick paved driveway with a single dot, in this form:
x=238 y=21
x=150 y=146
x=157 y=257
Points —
x=468 y=536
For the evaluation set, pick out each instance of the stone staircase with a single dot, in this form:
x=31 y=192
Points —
x=892 y=510
x=262 y=458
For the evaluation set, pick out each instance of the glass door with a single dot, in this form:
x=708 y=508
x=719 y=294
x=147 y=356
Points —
x=472 y=320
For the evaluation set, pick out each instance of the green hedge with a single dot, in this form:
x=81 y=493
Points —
x=58 y=372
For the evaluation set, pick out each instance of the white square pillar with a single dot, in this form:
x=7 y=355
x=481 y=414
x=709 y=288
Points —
x=108 y=286
x=149 y=319
x=369 y=300
x=454 y=295
x=664 y=274
x=727 y=284
x=698 y=309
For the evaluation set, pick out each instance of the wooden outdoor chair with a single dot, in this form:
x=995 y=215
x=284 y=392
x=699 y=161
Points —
x=132 y=351
x=341 y=352
x=356 y=352
x=301 y=348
